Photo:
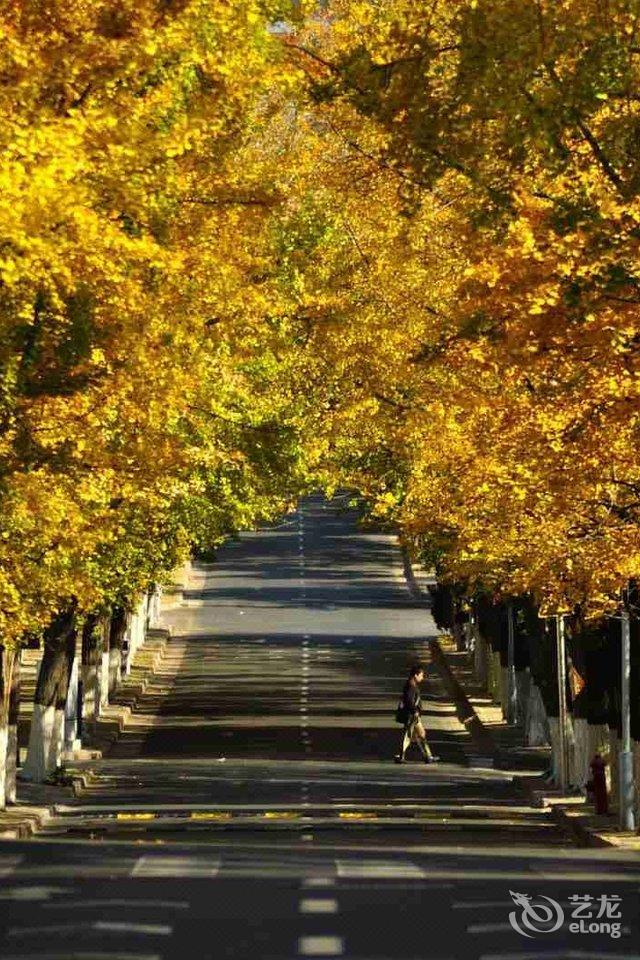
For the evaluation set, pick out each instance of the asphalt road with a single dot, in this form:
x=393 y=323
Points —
x=251 y=809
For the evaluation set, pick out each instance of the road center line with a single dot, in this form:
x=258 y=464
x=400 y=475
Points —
x=325 y=946
x=318 y=905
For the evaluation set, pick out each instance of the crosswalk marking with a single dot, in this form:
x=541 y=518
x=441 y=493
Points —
x=100 y=926
x=82 y=955
x=121 y=926
x=379 y=870
x=157 y=866
x=320 y=946
x=131 y=903
x=8 y=865
x=318 y=905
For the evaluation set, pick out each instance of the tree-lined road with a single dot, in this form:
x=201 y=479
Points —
x=251 y=807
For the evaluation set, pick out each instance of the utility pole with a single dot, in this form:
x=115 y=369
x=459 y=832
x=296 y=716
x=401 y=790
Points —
x=627 y=785
x=512 y=691
x=562 y=703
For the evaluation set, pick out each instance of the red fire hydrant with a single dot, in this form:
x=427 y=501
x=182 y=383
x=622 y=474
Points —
x=598 y=784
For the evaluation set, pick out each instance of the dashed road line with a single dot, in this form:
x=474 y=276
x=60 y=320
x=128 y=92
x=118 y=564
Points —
x=131 y=903
x=318 y=905
x=320 y=946
x=379 y=870
x=157 y=866
x=100 y=926
x=8 y=865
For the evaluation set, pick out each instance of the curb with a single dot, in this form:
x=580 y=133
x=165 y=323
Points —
x=113 y=720
x=22 y=821
x=483 y=740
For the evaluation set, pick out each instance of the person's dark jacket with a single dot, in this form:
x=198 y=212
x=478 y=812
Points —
x=411 y=698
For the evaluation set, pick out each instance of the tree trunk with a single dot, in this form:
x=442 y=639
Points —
x=103 y=667
x=91 y=656
x=117 y=634
x=4 y=721
x=523 y=691
x=580 y=772
x=614 y=767
x=47 y=724
x=536 y=724
x=73 y=707
x=12 y=733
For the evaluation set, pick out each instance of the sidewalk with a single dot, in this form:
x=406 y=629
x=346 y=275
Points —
x=37 y=801
x=495 y=739
x=503 y=742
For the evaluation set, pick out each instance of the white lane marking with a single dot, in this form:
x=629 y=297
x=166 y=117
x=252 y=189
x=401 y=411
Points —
x=82 y=955
x=494 y=904
x=120 y=926
x=104 y=926
x=379 y=870
x=142 y=904
x=318 y=905
x=31 y=893
x=319 y=882
x=8 y=865
x=320 y=946
x=153 y=866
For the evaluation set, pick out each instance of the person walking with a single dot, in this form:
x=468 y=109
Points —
x=409 y=714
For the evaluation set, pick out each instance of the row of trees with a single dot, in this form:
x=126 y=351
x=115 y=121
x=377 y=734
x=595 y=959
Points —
x=143 y=407
x=470 y=273
x=373 y=244
x=513 y=652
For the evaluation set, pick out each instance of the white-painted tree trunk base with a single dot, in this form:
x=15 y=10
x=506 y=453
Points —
x=4 y=740
x=613 y=767
x=523 y=691
x=115 y=669
x=90 y=702
x=57 y=742
x=40 y=751
x=480 y=657
x=636 y=777
x=11 y=784
x=493 y=677
x=580 y=772
x=536 y=723
x=504 y=690
x=103 y=681
x=71 y=710
x=554 y=736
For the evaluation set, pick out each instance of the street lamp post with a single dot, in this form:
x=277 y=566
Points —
x=512 y=692
x=563 y=772
x=627 y=785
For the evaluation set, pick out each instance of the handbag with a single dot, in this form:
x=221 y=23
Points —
x=402 y=714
